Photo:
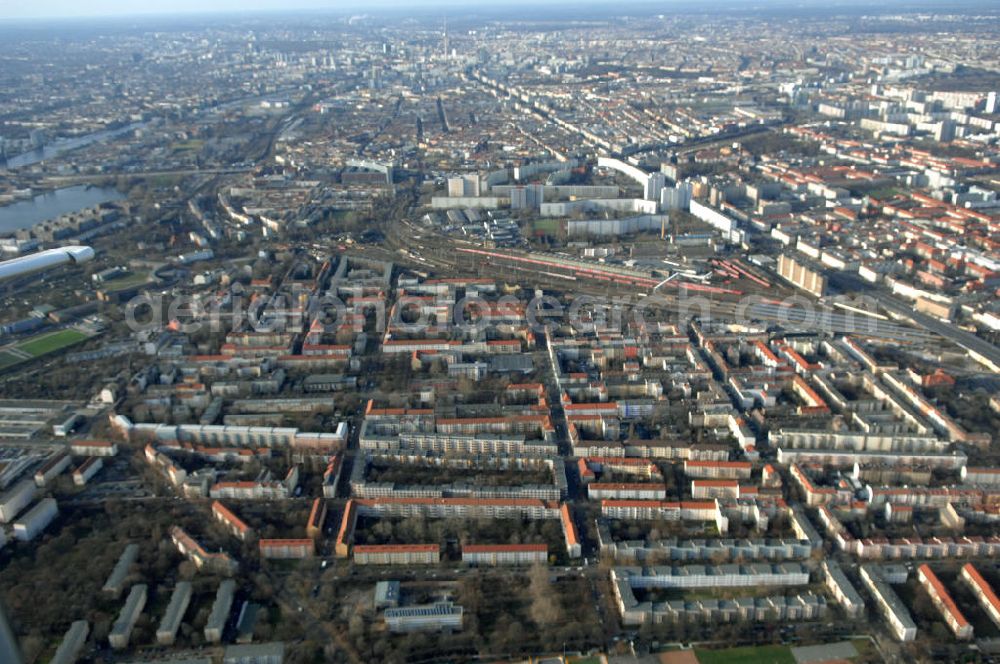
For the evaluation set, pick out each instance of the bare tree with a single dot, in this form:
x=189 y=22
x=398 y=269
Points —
x=545 y=609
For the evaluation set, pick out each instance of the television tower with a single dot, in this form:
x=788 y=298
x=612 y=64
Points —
x=446 y=38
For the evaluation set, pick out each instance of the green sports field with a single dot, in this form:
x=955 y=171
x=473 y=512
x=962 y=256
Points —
x=550 y=226
x=8 y=359
x=747 y=655
x=126 y=282
x=51 y=342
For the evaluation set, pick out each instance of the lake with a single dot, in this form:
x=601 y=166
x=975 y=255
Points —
x=25 y=214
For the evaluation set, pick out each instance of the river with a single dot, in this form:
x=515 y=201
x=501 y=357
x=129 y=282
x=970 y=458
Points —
x=66 y=144
x=25 y=214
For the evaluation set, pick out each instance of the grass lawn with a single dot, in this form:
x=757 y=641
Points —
x=51 y=342
x=747 y=655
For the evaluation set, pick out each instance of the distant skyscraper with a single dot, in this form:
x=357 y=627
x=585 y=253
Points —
x=992 y=103
x=676 y=198
x=653 y=187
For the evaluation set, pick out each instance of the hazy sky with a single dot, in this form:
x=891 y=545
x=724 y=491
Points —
x=76 y=8
x=20 y=9
x=70 y=8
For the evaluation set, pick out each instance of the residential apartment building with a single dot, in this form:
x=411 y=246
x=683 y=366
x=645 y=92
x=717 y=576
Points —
x=219 y=615
x=122 y=629
x=944 y=603
x=889 y=604
x=720 y=576
x=803 y=606
x=625 y=491
x=235 y=525
x=174 y=614
x=842 y=589
x=718 y=469
x=282 y=549
x=192 y=549
x=397 y=554
x=983 y=592
x=116 y=580
x=505 y=554
x=72 y=643
x=317 y=517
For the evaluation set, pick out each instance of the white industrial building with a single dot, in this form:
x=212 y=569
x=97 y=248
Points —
x=16 y=499
x=86 y=470
x=36 y=520
x=52 y=468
